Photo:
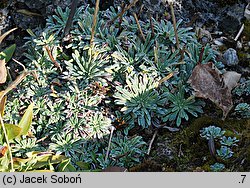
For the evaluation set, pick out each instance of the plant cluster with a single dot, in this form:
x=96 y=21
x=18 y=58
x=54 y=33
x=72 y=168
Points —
x=243 y=109
x=81 y=89
x=214 y=133
x=243 y=88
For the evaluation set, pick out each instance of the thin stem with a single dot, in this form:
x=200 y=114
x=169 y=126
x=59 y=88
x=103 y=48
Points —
x=110 y=139
x=94 y=22
x=151 y=25
x=139 y=27
x=239 y=33
x=120 y=17
x=19 y=63
x=2 y=94
x=123 y=11
x=52 y=58
x=174 y=24
x=152 y=140
x=8 y=143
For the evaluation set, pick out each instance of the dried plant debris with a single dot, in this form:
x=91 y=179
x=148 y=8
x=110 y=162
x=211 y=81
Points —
x=3 y=71
x=208 y=83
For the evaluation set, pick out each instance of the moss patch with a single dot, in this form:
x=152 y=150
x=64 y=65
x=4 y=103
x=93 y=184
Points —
x=191 y=152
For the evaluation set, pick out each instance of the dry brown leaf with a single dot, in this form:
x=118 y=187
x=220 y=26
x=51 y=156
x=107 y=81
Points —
x=2 y=105
x=3 y=71
x=208 y=83
x=3 y=150
x=231 y=79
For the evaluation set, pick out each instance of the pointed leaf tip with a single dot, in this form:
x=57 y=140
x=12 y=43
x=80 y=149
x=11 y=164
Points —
x=26 y=120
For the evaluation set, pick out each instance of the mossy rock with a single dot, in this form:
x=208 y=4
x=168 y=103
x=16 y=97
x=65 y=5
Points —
x=195 y=149
x=246 y=31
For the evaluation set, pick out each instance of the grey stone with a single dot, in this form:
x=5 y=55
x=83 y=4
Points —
x=230 y=56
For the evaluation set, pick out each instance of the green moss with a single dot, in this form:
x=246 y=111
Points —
x=195 y=149
x=244 y=58
x=147 y=165
x=246 y=31
x=206 y=167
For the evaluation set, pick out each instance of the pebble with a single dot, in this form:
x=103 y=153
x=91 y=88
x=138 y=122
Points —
x=231 y=57
x=247 y=12
x=218 y=42
x=239 y=45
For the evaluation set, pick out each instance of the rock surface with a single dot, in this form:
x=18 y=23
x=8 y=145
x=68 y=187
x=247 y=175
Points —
x=230 y=56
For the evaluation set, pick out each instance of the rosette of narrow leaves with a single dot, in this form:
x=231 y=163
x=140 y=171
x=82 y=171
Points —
x=243 y=109
x=98 y=126
x=87 y=66
x=86 y=20
x=192 y=57
x=217 y=167
x=212 y=132
x=131 y=55
x=165 y=61
x=165 y=29
x=225 y=152
x=130 y=26
x=66 y=143
x=139 y=99
x=229 y=141
x=82 y=33
x=87 y=159
x=194 y=52
x=125 y=151
x=180 y=107
x=25 y=145
x=243 y=88
x=56 y=23
x=144 y=50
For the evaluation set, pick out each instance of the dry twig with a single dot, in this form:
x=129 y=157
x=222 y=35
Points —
x=139 y=27
x=151 y=142
x=52 y=58
x=110 y=138
x=3 y=93
x=174 y=24
x=123 y=11
x=94 y=22
x=239 y=33
x=151 y=25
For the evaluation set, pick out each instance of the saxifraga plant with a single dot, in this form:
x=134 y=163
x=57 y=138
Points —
x=243 y=88
x=25 y=145
x=243 y=109
x=57 y=22
x=87 y=66
x=118 y=57
x=139 y=99
x=179 y=107
x=212 y=134
x=66 y=143
x=124 y=151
